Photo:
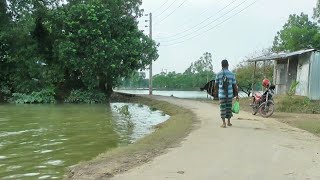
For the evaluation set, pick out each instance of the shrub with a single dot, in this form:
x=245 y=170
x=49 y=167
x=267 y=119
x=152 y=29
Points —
x=293 y=88
x=298 y=104
x=43 y=96
x=89 y=97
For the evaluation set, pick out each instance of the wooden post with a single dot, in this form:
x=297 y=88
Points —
x=264 y=73
x=275 y=74
x=287 y=76
x=253 y=77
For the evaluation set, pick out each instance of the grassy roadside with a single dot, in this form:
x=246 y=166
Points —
x=296 y=111
x=167 y=135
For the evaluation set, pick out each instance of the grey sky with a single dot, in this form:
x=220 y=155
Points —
x=251 y=30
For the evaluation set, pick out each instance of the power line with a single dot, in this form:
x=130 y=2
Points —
x=166 y=8
x=213 y=26
x=208 y=24
x=161 y=6
x=188 y=21
x=171 y=12
x=177 y=34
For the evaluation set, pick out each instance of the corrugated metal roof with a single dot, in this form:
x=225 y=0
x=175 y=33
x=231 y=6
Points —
x=281 y=55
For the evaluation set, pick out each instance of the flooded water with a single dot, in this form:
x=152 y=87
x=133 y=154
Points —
x=40 y=141
x=178 y=94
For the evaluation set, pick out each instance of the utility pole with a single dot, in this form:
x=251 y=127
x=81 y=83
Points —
x=165 y=82
x=150 y=67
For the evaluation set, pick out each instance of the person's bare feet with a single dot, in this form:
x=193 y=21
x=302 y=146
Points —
x=223 y=126
x=229 y=123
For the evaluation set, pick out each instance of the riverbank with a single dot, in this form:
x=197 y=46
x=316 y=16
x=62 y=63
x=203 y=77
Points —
x=167 y=135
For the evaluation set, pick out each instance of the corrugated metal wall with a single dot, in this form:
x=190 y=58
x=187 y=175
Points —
x=314 y=81
x=303 y=74
x=281 y=85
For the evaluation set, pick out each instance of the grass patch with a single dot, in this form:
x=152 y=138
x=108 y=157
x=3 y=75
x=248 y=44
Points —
x=167 y=135
x=297 y=104
x=311 y=125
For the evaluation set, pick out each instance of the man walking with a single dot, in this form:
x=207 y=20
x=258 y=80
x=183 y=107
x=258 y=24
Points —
x=226 y=87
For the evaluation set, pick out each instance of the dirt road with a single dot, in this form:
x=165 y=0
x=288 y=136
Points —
x=253 y=149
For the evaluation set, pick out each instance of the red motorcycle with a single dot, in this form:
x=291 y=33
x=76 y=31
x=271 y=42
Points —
x=264 y=103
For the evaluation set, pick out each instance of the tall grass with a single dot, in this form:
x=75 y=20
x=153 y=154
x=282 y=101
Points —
x=297 y=104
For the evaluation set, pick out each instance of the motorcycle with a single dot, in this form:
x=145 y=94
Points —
x=264 y=103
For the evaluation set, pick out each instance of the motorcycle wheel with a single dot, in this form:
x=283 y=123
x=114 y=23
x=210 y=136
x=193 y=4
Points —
x=254 y=110
x=266 y=109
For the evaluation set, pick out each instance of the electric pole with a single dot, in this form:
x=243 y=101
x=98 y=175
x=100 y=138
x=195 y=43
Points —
x=150 y=67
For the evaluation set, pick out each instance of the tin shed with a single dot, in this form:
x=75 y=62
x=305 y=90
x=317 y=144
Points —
x=300 y=66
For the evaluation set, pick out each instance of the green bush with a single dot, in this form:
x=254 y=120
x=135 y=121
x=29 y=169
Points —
x=293 y=88
x=5 y=92
x=43 y=96
x=153 y=108
x=88 y=97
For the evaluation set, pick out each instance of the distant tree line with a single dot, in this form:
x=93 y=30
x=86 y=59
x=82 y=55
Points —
x=194 y=77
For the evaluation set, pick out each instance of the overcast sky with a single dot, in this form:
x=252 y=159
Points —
x=231 y=29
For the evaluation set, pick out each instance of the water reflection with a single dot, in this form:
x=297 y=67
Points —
x=141 y=121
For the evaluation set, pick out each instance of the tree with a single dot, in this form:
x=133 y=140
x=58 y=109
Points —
x=24 y=45
x=298 y=33
x=244 y=75
x=4 y=16
x=136 y=80
x=316 y=12
x=244 y=72
x=203 y=64
x=194 y=77
x=200 y=70
x=70 y=45
x=101 y=42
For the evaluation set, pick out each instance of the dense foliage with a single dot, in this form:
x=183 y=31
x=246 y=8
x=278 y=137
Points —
x=89 y=97
x=70 y=45
x=298 y=33
x=316 y=12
